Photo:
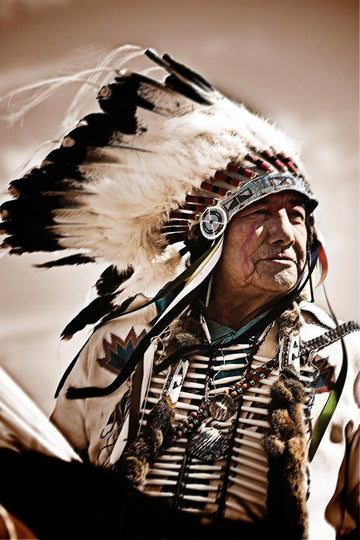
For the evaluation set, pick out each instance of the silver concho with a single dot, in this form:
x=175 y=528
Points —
x=221 y=407
x=208 y=444
x=213 y=222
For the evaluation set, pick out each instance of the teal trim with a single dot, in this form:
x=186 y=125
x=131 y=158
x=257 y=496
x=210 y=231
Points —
x=218 y=331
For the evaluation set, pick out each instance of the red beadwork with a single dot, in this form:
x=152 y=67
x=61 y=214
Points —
x=178 y=214
x=274 y=160
x=194 y=207
x=248 y=173
x=261 y=164
x=207 y=201
x=292 y=167
x=228 y=179
x=290 y=163
x=213 y=189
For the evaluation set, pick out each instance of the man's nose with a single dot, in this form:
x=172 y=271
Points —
x=281 y=230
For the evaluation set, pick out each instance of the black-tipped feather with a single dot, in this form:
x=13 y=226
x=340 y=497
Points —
x=69 y=155
x=72 y=259
x=188 y=73
x=98 y=308
x=25 y=242
x=102 y=306
x=116 y=312
x=119 y=99
x=111 y=279
x=26 y=187
x=53 y=176
x=32 y=215
x=29 y=219
x=179 y=86
x=182 y=79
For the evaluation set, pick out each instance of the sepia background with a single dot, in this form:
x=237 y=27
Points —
x=297 y=62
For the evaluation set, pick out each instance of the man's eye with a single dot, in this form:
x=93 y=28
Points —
x=297 y=215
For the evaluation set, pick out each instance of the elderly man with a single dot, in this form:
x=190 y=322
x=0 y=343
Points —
x=213 y=384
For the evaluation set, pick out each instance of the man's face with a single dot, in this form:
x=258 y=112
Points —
x=264 y=248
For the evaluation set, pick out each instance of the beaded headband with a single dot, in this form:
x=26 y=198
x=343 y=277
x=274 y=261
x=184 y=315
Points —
x=214 y=219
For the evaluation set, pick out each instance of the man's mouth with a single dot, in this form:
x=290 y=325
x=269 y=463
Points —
x=280 y=258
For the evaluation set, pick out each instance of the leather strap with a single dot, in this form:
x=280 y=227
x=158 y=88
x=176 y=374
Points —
x=135 y=401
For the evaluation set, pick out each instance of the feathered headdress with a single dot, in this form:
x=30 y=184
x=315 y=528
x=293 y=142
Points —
x=132 y=184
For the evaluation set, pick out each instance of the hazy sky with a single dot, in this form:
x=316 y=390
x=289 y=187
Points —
x=295 y=61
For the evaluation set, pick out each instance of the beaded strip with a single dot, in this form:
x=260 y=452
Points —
x=326 y=339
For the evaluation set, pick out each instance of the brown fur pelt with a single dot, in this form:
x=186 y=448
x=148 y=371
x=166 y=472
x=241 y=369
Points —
x=184 y=331
x=286 y=447
x=157 y=434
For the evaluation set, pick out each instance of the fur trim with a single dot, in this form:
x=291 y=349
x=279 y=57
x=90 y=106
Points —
x=184 y=331
x=156 y=435
x=286 y=446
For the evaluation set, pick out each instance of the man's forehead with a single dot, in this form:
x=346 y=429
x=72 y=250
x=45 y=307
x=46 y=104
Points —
x=271 y=188
x=284 y=197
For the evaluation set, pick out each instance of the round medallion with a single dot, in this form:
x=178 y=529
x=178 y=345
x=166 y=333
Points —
x=221 y=407
x=213 y=222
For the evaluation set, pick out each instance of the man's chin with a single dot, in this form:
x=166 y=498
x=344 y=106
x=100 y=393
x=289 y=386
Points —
x=281 y=282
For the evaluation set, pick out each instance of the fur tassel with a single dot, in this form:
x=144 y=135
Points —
x=286 y=446
x=157 y=435
x=184 y=331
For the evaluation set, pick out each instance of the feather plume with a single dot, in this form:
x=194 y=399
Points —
x=107 y=192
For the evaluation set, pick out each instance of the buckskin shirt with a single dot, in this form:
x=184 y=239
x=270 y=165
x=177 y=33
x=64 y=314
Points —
x=233 y=486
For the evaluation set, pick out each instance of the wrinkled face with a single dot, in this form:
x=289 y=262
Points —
x=265 y=245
